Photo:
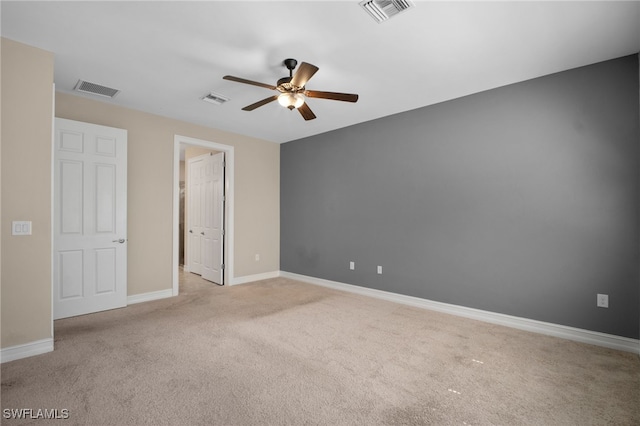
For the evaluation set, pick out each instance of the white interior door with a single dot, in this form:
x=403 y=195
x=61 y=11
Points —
x=196 y=166
x=90 y=218
x=206 y=212
x=213 y=218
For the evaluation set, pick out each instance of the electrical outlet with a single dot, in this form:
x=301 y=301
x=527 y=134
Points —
x=352 y=265
x=257 y=257
x=603 y=301
x=379 y=270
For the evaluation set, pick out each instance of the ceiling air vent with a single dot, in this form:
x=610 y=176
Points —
x=214 y=98
x=382 y=10
x=95 y=89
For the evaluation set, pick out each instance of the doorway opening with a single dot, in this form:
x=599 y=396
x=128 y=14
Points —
x=181 y=143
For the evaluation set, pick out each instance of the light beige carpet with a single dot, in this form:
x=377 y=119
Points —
x=284 y=352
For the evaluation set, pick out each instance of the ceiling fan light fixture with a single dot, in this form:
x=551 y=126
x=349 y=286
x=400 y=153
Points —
x=289 y=100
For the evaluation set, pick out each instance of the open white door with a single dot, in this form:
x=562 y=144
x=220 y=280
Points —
x=195 y=169
x=90 y=218
x=213 y=208
x=206 y=216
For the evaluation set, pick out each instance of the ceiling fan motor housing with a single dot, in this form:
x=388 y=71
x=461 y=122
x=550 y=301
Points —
x=283 y=84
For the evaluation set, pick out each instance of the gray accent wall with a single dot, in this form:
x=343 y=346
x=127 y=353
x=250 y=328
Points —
x=521 y=200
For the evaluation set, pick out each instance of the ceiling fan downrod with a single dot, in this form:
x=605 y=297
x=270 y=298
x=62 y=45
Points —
x=290 y=64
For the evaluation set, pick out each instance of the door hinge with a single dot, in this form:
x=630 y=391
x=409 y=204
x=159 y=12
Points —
x=222 y=266
x=222 y=232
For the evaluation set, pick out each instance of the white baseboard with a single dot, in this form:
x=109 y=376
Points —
x=147 y=297
x=26 y=350
x=550 y=329
x=256 y=277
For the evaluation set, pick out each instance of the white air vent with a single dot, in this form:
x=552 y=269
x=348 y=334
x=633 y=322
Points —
x=214 y=98
x=95 y=89
x=382 y=10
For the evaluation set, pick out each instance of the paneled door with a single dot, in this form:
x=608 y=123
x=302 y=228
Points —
x=206 y=216
x=90 y=218
x=196 y=166
x=212 y=211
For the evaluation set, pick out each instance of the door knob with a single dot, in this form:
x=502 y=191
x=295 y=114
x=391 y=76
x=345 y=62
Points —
x=121 y=241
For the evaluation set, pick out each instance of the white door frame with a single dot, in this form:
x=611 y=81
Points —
x=229 y=205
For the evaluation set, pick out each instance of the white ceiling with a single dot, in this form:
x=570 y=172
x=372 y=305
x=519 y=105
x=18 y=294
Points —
x=164 y=56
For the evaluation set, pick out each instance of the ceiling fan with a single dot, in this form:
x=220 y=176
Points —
x=292 y=90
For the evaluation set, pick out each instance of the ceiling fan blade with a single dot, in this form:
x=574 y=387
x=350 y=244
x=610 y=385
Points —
x=346 y=97
x=306 y=112
x=245 y=81
x=260 y=103
x=304 y=73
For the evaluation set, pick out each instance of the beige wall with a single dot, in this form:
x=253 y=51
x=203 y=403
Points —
x=150 y=186
x=27 y=103
x=25 y=268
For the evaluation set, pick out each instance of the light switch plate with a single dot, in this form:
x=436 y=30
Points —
x=21 y=227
